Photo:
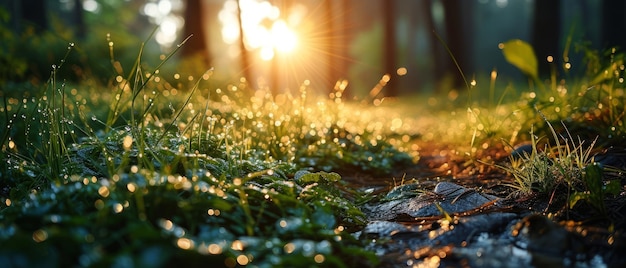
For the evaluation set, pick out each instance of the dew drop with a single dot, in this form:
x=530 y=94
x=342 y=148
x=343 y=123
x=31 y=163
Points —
x=40 y=235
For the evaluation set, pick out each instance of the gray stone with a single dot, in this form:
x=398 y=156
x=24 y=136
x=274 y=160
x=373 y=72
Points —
x=384 y=228
x=451 y=197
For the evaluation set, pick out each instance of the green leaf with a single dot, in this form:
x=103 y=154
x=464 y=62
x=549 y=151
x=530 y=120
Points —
x=305 y=177
x=577 y=196
x=521 y=55
x=593 y=180
x=330 y=177
x=613 y=187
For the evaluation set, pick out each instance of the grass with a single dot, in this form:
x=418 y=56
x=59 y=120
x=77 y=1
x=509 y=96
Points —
x=566 y=160
x=156 y=169
x=171 y=176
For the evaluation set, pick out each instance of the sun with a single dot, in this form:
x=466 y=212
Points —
x=286 y=46
x=284 y=39
x=279 y=39
x=264 y=28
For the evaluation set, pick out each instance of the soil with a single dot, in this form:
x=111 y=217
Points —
x=534 y=215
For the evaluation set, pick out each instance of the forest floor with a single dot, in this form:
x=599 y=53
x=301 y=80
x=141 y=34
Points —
x=513 y=230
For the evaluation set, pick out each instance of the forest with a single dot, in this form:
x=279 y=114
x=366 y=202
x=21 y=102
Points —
x=298 y=133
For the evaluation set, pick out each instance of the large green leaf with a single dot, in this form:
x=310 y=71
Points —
x=521 y=55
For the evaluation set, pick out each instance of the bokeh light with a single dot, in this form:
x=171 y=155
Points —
x=264 y=27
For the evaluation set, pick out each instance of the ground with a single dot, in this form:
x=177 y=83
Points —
x=545 y=220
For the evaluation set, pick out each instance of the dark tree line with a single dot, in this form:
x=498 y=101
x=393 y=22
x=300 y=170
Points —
x=35 y=13
x=456 y=34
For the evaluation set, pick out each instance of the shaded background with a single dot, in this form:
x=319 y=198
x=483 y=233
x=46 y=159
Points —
x=401 y=44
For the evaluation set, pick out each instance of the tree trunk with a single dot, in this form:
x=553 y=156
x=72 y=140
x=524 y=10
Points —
x=456 y=40
x=331 y=45
x=439 y=56
x=245 y=60
x=77 y=17
x=35 y=13
x=389 y=46
x=546 y=34
x=197 y=45
x=614 y=24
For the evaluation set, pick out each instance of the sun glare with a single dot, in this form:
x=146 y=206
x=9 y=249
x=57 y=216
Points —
x=263 y=28
x=285 y=40
x=166 y=14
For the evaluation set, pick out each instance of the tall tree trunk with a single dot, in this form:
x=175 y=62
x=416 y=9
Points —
x=35 y=13
x=546 y=34
x=343 y=41
x=389 y=46
x=439 y=57
x=330 y=45
x=456 y=40
x=245 y=60
x=79 y=22
x=194 y=22
x=614 y=24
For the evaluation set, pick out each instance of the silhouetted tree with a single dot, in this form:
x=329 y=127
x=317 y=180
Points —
x=197 y=45
x=245 y=60
x=389 y=45
x=330 y=43
x=78 y=21
x=439 y=56
x=31 y=13
x=459 y=43
x=546 y=33
x=343 y=40
x=614 y=24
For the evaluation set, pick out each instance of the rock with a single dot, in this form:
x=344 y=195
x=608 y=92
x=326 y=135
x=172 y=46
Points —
x=549 y=243
x=452 y=198
x=383 y=228
x=522 y=151
x=407 y=228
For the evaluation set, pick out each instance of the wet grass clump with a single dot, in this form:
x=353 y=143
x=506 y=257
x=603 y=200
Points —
x=584 y=121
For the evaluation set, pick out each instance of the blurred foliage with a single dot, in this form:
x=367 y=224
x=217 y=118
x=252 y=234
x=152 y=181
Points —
x=111 y=39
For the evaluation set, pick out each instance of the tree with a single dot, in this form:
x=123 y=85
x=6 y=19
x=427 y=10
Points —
x=389 y=39
x=78 y=20
x=614 y=24
x=32 y=13
x=331 y=44
x=194 y=21
x=546 y=33
x=457 y=41
x=245 y=60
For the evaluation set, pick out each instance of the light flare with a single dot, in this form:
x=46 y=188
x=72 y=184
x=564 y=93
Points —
x=264 y=28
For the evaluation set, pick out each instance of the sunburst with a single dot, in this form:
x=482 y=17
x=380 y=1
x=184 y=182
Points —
x=290 y=44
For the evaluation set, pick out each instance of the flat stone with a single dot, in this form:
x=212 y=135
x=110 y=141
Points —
x=384 y=228
x=452 y=198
